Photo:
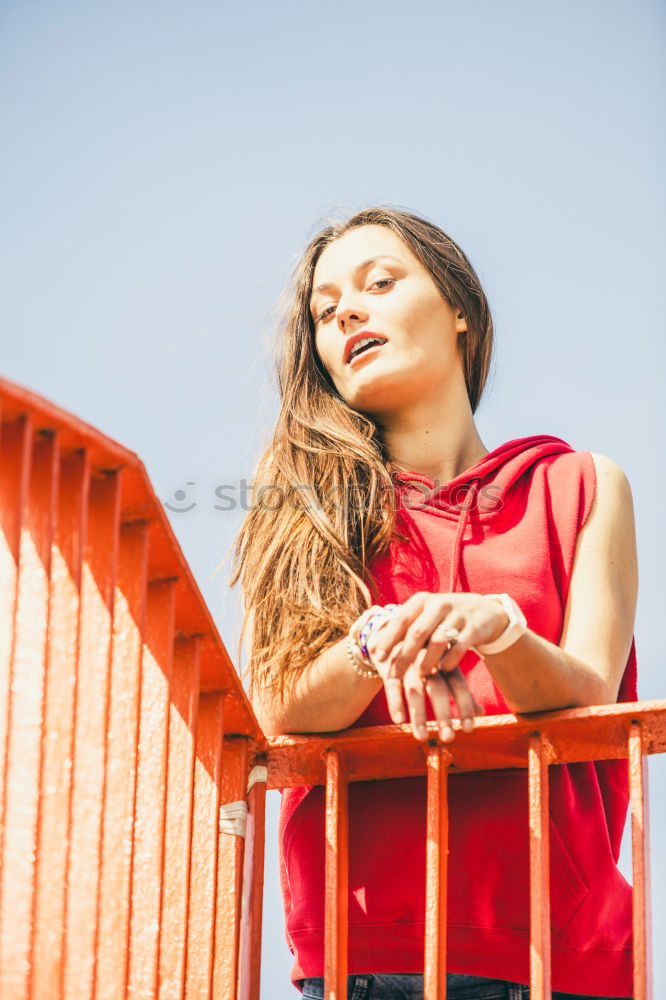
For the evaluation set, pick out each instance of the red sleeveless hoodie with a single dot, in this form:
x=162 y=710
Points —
x=508 y=524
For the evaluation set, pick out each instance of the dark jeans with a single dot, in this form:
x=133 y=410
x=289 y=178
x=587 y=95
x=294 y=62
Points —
x=405 y=986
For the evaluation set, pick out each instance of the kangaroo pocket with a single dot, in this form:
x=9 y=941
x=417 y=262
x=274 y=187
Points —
x=488 y=869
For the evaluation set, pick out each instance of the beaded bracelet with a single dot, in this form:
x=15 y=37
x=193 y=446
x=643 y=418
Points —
x=351 y=648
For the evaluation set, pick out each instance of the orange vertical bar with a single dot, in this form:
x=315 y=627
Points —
x=253 y=885
x=15 y=449
x=89 y=759
x=640 y=846
x=203 y=870
x=233 y=817
x=337 y=878
x=178 y=824
x=58 y=730
x=149 y=806
x=129 y=607
x=437 y=849
x=24 y=741
x=540 y=988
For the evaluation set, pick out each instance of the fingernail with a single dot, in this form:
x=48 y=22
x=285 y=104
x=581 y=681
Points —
x=446 y=733
x=379 y=654
x=421 y=732
x=399 y=717
x=468 y=725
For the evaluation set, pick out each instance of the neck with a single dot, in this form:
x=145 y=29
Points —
x=436 y=439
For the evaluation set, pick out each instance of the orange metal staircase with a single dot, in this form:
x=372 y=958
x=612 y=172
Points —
x=134 y=771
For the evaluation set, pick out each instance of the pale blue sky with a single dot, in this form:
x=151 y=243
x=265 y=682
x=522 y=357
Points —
x=164 y=163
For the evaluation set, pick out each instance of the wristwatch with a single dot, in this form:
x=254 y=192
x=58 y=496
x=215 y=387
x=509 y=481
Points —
x=517 y=626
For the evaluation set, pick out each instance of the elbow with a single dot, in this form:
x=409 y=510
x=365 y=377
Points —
x=276 y=721
x=271 y=723
x=270 y=726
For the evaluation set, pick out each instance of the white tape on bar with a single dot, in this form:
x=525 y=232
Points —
x=257 y=773
x=233 y=818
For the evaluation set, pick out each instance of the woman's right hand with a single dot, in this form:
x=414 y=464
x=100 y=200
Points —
x=441 y=688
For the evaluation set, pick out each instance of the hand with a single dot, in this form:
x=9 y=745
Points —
x=411 y=651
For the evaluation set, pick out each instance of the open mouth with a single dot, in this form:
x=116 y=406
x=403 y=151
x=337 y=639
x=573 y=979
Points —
x=365 y=347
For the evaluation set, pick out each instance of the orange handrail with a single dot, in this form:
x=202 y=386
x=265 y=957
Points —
x=133 y=771
x=535 y=742
x=125 y=732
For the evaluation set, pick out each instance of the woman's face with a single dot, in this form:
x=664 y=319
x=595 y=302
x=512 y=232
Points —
x=368 y=283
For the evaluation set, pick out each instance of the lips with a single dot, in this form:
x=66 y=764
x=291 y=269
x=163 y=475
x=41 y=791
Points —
x=367 y=352
x=355 y=339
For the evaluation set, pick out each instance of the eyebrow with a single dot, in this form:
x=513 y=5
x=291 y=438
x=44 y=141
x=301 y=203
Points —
x=357 y=270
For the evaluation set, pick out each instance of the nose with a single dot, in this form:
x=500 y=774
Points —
x=349 y=315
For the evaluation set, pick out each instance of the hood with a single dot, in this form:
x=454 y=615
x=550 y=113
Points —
x=480 y=492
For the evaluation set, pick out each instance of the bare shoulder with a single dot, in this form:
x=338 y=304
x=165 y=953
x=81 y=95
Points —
x=601 y=604
x=608 y=469
x=613 y=498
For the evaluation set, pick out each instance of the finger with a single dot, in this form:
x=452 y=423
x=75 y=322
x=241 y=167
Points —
x=462 y=697
x=394 y=630
x=415 y=695
x=439 y=643
x=393 y=688
x=452 y=656
x=465 y=701
x=438 y=691
x=418 y=632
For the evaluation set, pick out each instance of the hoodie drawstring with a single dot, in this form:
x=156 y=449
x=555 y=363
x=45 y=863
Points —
x=457 y=544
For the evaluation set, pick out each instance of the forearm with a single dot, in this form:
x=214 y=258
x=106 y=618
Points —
x=535 y=675
x=328 y=696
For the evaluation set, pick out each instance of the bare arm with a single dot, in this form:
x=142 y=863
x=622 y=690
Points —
x=535 y=675
x=327 y=696
x=330 y=695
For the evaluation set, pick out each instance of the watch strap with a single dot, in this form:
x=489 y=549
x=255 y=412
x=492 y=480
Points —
x=516 y=626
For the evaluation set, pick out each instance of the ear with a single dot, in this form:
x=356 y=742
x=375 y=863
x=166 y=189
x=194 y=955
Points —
x=461 y=322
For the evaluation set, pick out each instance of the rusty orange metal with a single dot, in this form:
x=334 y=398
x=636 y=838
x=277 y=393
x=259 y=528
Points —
x=437 y=850
x=538 y=760
x=178 y=821
x=337 y=877
x=253 y=886
x=640 y=841
x=134 y=772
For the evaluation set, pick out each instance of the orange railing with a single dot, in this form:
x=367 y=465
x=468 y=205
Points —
x=124 y=732
x=134 y=772
x=536 y=742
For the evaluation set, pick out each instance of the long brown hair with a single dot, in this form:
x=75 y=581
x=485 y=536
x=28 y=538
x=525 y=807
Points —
x=302 y=554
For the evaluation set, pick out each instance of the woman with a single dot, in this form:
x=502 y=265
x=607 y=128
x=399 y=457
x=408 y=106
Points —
x=388 y=525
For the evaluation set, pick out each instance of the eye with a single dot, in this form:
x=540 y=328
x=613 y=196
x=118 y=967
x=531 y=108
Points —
x=383 y=282
x=325 y=314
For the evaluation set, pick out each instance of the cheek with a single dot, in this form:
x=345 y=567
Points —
x=320 y=350
x=433 y=319
x=324 y=349
x=413 y=307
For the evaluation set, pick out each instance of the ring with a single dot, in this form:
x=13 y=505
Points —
x=452 y=634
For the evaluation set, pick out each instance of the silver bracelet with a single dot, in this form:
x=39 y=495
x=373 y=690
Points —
x=351 y=647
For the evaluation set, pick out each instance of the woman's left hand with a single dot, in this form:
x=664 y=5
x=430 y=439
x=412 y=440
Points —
x=419 y=627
